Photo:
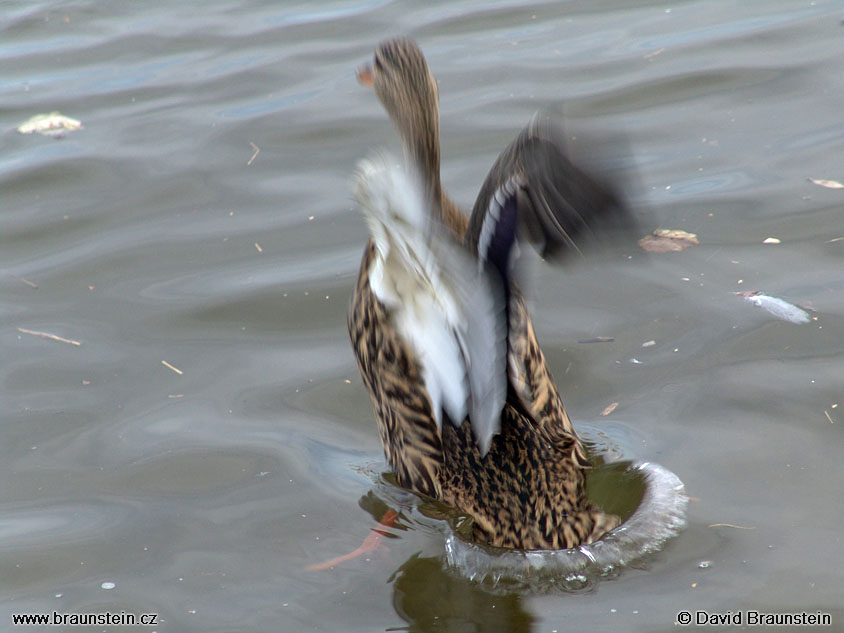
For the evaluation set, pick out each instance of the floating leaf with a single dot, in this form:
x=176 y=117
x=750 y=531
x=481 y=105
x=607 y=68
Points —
x=780 y=308
x=52 y=124
x=677 y=234
x=829 y=184
x=668 y=240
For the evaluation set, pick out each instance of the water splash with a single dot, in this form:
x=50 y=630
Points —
x=660 y=515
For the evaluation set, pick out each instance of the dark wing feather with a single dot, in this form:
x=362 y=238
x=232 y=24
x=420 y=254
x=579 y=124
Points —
x=563 y=208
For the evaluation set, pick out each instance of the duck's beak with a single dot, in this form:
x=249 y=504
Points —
x=364 y=74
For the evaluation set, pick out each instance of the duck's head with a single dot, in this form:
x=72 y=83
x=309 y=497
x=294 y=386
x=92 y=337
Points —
x=408 y=91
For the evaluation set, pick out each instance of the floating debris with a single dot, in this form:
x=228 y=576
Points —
x=597 y=339
x=255 y=153
x=609 y=409
x=54 y=124
x=668 y=240
x=829 y=184
x=169 y=366
x=52 y=337
x=29 y=283
x=772 y=240
x=780 y=308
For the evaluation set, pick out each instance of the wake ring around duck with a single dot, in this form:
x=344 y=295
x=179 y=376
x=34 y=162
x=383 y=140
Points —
x=660 y=516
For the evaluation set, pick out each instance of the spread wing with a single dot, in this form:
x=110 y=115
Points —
x=448 y=306
x=563 y=208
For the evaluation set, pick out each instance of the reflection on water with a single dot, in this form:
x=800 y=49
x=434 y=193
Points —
x=432 y=599
x=429 y=595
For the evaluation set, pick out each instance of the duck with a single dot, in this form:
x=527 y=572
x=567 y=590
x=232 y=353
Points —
x=467 y=409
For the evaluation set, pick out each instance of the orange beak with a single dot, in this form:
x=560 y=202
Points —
x=364 y=75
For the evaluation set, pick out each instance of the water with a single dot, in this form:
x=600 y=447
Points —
x=203 y=495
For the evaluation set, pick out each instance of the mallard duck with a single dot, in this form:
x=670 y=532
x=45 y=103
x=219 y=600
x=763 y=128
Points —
x=467 y=409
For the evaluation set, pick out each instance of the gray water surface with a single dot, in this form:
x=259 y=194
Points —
x=160 y=233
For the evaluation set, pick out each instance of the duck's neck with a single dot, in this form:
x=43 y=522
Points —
x=421 y=140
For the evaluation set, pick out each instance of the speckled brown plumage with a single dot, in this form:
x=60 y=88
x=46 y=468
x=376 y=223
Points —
x=528 y=491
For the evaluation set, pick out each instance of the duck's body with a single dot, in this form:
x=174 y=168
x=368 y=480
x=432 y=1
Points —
x=467 y=409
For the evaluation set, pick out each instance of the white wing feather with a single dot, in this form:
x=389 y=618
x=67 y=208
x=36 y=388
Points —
x=449 y=309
